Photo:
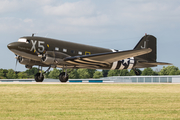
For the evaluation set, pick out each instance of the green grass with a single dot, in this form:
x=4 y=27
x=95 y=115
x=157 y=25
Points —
x=89 y=101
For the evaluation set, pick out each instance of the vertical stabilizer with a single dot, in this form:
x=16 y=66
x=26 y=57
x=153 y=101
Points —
x=148 y=41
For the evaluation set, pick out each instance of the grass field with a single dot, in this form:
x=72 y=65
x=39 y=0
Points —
x=89 y=101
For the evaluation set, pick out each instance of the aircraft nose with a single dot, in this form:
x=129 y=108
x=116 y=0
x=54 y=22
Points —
x=11 y=45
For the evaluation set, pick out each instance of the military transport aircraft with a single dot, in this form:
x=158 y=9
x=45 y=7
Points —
x=46 y=52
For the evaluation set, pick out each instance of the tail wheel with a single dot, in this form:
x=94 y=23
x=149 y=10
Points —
x=38 y=77
x=63 y=78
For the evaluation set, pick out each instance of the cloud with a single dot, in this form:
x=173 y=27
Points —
x=73 y=9
x=85 y=16
x=20 y=5
x=7 y=5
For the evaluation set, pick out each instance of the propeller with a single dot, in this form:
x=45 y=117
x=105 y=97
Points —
x=16 y=61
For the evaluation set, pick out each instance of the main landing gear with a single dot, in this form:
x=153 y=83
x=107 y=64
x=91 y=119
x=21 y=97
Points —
x=63 y=77
x=39 y=77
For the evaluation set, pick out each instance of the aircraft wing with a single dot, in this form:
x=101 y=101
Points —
x=104 y=59
x=154 y=63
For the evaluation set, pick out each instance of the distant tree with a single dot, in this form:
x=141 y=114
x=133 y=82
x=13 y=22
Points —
x=31 y=72
x=91 y=72
x=113 y=73
x=47 y=74
x=54 y=73
x=105 y=73
x=175 y=72
x=170 y=70
x=2 y=74
x=83 y=73
x=157 y=70
x=98 y=74
x=132 y=73
x=5 y=71
x=11 y=74
x=124 y=72
x=22 y=75
x=73 y=74
x=148 y=71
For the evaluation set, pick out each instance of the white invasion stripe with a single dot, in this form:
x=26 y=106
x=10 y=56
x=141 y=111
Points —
x=81 y=61
x=72 y=62
x=85 y=62
x=121 y=67
x=131 y=63
x=94 y=60
x=114 y=63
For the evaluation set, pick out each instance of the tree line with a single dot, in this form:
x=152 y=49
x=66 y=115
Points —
x=87 y=73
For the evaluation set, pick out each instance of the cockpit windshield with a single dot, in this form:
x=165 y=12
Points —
x=24 y=40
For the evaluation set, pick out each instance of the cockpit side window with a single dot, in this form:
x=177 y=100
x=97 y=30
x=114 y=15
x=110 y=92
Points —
x=24 y=40
x=28 y=41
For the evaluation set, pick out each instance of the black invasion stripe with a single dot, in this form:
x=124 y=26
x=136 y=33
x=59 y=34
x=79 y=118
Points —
x=118 y=65
x=85 y=63
x=126 y=66
x=94 y=62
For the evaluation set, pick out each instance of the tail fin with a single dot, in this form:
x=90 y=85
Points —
x=148 y=41
x=147 y=60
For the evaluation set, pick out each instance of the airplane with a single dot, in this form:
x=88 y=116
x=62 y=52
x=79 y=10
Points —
x=52 y=53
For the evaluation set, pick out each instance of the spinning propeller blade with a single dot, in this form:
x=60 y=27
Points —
x=16 y=62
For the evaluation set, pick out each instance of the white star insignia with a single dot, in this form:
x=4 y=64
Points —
x=125 y=61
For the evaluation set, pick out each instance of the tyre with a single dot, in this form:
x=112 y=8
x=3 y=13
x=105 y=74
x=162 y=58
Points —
x=63 y=78
x=38 y=78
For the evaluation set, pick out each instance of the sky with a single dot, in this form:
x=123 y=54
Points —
x=113 y=24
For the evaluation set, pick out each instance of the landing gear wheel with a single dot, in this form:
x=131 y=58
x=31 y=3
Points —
x=63 y=78
x=38 y=77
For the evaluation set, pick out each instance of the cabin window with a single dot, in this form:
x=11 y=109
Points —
x=87 y=53
x=80 y=53
x=28 y=41
x=56 y=49
x=72 y=51
x=64 y=50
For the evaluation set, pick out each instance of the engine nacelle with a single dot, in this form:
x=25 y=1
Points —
x=23 y=60
x=29 y=63
x=52 y=61
x=54 y=58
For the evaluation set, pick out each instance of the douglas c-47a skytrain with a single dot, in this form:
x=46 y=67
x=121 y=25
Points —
x=46 y=52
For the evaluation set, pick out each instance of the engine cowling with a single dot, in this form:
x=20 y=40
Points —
x=51 y=60
x=23 y=60
x=29 y=63
x=54 y=58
